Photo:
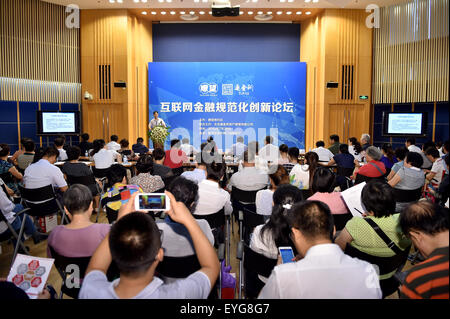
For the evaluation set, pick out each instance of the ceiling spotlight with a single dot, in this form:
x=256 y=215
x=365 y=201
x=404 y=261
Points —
x=154 y=12
x=163 y=12
x=196 y=1
x=210 y=12
x=307 y=1
x=120 y=1
x=144 y=13
x=290 y=0
x=192 y=12
x=260 y=12
x=135 y=1
x=279 y=12
x=172 y=12
x=282 y=0
x=202 y=12
x=289 y=12
x=111 y=1
x=241 y=12
x=308 y=12
x=169 y=1
x=298 y=12
x=161 y=1
x=144 y=1
x=182 y=12
x=254 y=1
x=315 y=1
x=204 y=1
x=250 y=12
x=269 y=12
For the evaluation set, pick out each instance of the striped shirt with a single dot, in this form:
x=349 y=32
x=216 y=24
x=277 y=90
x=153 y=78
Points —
x=429 y=279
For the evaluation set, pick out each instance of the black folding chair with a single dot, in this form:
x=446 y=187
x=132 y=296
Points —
x=61 y=264
x=242 y=199
x=406 y=196
x=385 y=265
x=252 y=264
x=343 y=177
x=90 y=182
x=248 y=220
x=42 y=202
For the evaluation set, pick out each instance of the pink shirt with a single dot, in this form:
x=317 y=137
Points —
x=333 y=200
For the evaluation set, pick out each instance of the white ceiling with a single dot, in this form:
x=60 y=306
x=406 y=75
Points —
x=348 y=4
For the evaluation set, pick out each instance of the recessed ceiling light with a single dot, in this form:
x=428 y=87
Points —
x=289 y=12
x=144 y=13
x=254 y=1
x=196 y=0
x=182 y=12
x=282 y=0
x=111 y=1
x=168 y=0
x=269 y=12
x=250 y=12
x=260 y=12
x=298 y=12
x=135 y=1
x=308 y=12
x=279 y=12
x=120 y=1
x=192 y=12
x=210 y=12
x=315 y=1
x=163 y=12
x=290 y=0
x=202 y=12
x=144 y=1
x=241 y=12
x=161 y=1
x=153 y=12
x=172 y=12
x=204 y=1
x=307 y=1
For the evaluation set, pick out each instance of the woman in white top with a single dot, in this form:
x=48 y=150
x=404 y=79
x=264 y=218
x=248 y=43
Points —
x=284 y=157
x=355 y=148
x=301 y=175
x=104 y=158
x=266 y=238
x=264 y=197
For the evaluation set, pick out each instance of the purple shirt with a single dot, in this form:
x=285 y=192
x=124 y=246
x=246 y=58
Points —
x=77 y=242
x=387 y=163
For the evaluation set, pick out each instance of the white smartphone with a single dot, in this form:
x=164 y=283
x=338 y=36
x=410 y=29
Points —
x=152 y=202
x=287 y=254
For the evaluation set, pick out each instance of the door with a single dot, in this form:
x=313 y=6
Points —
x=337 y=123
x=351 y=120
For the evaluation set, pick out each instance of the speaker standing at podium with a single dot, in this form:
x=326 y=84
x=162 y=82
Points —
x=156 y=121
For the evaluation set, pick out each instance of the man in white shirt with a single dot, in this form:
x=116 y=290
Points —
x=437 y=170
x=324 y=271
x=59 y=144
x=325 y=154
x=269 y=152
x=134 y=243
x=43 y=172
x=156 y=121
x=187 y=148
x=113 y=145
x=249 y=178
x=239 y=148
x=211 y=197
x=199 y=173
x=411 y=146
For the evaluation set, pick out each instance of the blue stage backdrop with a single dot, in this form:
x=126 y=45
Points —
x=226 y=99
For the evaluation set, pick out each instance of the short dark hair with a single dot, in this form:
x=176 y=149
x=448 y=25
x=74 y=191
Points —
x=29 y=145
x=50 y=152
x=185 y=191
x=59 y=141
x=175 y=142
x=240 y=139
x=294 y=152
x=320 y=144
x=139 y=140
x=144 y=164
x=343 y=148
x=283 y=148
x=313 y=219
x=446 y=145
x=323 y=180
x=378 y=197
x=428 y=144
x=116 y=173
x=249 y=157
x=155 y=112
x=4 y=150
x=426 y=217
x=73 y=153
x=77 y=199
x=134 y=241
x=432 y=151
x=124 y=143
x=215 y=171
x=334 y=137
x=415 y=159
x=85 y=137
x=269 y=139
x=114 y=138
x=401 y=153
x=411 y=140
x=158 y=154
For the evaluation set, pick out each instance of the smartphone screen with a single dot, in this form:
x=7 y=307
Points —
x=286 y=255
x=150 y=201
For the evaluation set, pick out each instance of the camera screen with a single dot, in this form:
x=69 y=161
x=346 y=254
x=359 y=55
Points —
x=152 y=202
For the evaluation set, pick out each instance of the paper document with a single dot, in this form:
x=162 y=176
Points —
x=352 y=198
x=30 y=273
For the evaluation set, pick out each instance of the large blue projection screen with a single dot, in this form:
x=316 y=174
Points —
x=226 y=99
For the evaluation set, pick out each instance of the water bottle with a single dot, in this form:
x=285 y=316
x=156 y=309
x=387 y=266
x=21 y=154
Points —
x=125 y=159
x=86 y=154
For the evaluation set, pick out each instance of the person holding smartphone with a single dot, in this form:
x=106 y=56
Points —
x=134 y=243
x=324 y=272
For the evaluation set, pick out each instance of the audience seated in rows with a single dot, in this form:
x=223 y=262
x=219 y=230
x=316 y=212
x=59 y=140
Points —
x=269 y=152
x=409 y=177
x=355 y=148
x=266 y=238
x=322 y=186
x=444 y=192
x=334 y=144
x=301 y=175
x=239 y=147
x=322 y=270
x=144 y=179
x=80 y=237
x=102 y=156
x=26 y=158
x=260 y=162
x=175 y=157
x=199 y=173
x=176 y=241
x=324 y=154
x=343 y=158
x=211 y=197
x=365 y=141
x=434 y=177
x=374 y=167
x=264 y=197
x=117 y=181
x=187 y=148
x=125 y=150
x=8 y=171
x=139 y=147
x=158 y=164
x=284 y=158
x=134 y=244
x=43 y=172
x=427 y=226
x=59 y=145
x=388 y=157
x=410 y=143
x=113 y=145
x=400 y=154
x=249 y=178
x=85 y=146
x=293 y=154
x=378 y=202
x=9 y=210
